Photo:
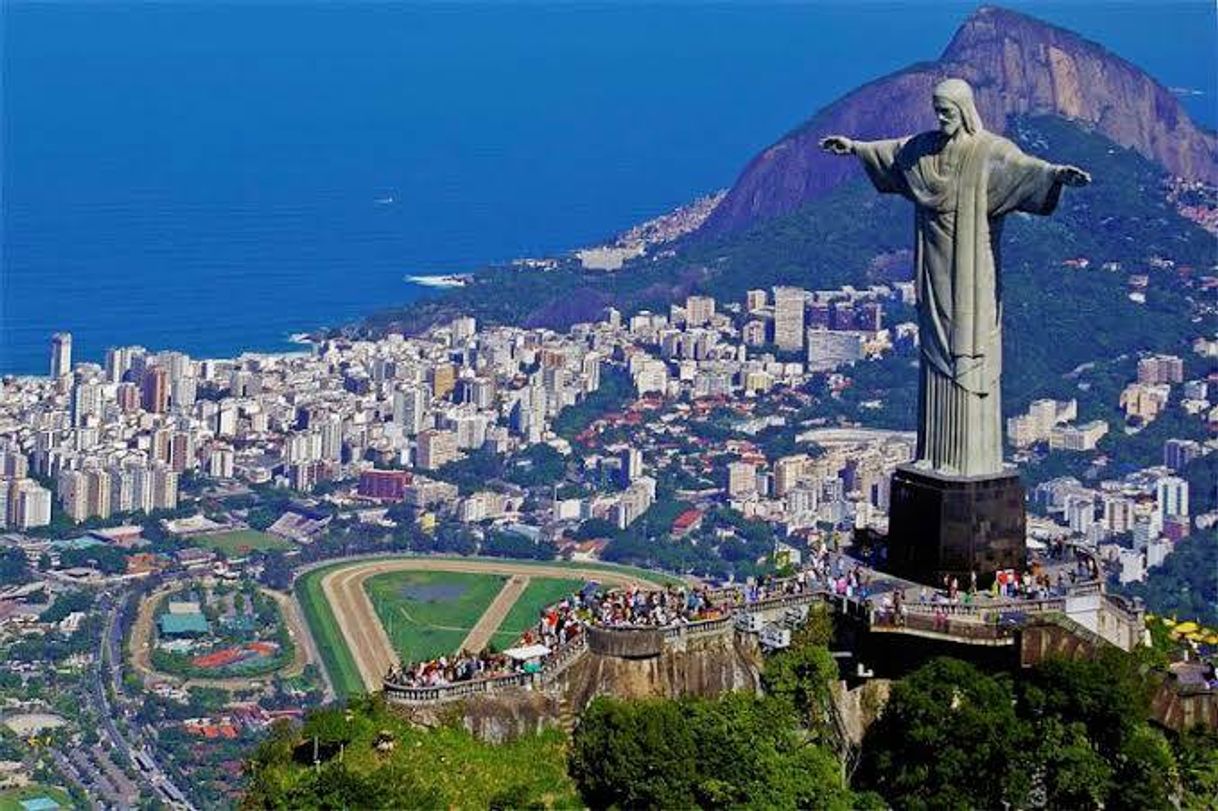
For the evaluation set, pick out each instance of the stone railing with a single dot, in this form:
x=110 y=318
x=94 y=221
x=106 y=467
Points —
x=626 y=642
x=451 y=692
x=984 y=609
x=702 y=629
x=564 y=657
x=976 y=621
x=956 y=628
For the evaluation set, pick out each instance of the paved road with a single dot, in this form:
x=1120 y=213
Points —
x=109 y=657
x=366 y=639
x=495 y=613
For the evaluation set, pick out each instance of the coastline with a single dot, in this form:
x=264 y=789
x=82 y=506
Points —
x=657 y=231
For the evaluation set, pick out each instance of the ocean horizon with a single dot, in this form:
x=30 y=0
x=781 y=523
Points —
x=218 y=178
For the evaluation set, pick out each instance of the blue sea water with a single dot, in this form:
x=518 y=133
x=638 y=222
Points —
x=215 y=177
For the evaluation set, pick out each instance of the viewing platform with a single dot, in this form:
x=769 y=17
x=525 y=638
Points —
x=767 y=620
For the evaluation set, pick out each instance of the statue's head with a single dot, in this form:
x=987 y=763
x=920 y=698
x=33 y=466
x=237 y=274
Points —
x=955 y=109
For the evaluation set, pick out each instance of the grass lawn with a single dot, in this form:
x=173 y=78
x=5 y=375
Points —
x=539 y=593
x=446 y=767
x=10 y=799
x=428 y=614
x=335 y=656
x=240 y=542
x=337 y=659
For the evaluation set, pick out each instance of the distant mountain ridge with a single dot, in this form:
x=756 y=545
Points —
x=1018 y=65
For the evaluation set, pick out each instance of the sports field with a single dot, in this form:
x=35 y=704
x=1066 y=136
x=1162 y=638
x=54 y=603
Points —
x=428 y=614
x=240 y=542
x=355 y=648
x=10 y=799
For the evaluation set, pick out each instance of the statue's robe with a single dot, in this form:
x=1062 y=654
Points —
x=961 y=189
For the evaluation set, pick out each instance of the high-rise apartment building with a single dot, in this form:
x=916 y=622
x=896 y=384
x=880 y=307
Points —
x=24 y=504
x=410 y=409
x=164 y=489
x=631 y=460
x=443 y=380
x=829 y=350
x=1160 y=369
x=384 y=485
x=221 y=463
x=120 y=360
x=61 y=354
x=789 y=318
x=436 y=449
x=1118 y=513
x=699 y=310
x=787 y=472
x=1171 y=496
x=85 y=493
x=1177 y=453
x=155 y=390
x=86 y=401
x=741 y=479
x=182 y=451
x=128 y=397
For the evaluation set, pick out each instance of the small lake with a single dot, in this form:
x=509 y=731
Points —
x=434 y=592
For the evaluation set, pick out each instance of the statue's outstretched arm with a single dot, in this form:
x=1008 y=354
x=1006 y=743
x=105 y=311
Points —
x=1073 y=176
x=837 y=145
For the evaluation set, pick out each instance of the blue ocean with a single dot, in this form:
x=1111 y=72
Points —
x=214 y=177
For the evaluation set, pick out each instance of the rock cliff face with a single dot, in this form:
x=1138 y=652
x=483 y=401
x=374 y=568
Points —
x=1018 y=66
x=707 y=666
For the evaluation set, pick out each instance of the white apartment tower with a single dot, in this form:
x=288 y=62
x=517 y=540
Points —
x=61 y=354
x=789 y=318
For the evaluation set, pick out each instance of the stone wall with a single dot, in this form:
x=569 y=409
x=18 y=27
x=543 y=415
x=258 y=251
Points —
x=689 y=665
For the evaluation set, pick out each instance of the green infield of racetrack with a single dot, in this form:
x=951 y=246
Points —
x=240 y=542
x=429 y=614
x=340 y=665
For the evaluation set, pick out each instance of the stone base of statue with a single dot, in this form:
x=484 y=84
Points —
x=953 y=525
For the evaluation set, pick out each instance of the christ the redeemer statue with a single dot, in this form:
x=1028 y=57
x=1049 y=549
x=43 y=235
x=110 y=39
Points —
x=962 y=180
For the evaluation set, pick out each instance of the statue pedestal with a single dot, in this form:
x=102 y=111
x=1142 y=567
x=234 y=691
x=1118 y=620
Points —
x=955 y=525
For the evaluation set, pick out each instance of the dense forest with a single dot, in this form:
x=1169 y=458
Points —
x=1065 y=734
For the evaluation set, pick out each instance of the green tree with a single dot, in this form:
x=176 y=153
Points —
x=1146 y=776
x=800 y=676
x=735 y=752
x=1106 y=695
x=634 y=754
x=945 y=740
x=1197 y=756
x=1061 y=759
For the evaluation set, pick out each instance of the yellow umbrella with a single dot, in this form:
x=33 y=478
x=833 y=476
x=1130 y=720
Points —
x=1187 y=627
x=1168 y=622
x=1196 y=636
x=1212 y=639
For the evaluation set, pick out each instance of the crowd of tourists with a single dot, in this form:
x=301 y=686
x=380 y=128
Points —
x=821 y=570
x=562 y=623
x=446 y=670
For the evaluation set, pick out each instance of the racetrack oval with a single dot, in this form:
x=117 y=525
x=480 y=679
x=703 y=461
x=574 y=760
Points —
x=361 y=629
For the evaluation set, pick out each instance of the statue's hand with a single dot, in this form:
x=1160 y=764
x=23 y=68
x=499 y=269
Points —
x=1073 y=176
x=837 y=145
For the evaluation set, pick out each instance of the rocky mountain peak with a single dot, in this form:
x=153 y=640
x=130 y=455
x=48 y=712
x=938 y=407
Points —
x=1018 y=65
